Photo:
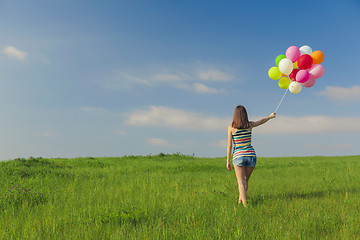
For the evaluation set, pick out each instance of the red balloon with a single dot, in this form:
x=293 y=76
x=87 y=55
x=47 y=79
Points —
x=292 y=75
x=305 y=61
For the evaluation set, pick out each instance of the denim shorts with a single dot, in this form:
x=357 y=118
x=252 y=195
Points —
x=245 y=161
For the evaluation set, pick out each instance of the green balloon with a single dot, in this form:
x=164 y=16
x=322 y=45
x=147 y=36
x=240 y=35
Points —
x=278 y=59
x=274 y=73
x=284 y=82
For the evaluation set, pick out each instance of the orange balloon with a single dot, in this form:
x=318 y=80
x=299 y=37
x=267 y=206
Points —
x=284 y=75
x=318 y=57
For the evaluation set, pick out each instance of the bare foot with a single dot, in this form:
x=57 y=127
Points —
x=243 y=203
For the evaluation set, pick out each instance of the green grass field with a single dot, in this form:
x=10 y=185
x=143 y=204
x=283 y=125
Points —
x=178 y=197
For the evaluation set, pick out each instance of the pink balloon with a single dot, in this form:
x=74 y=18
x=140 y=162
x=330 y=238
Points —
x=309 y=83
x=293 y=53
x=302 y=76
x=311 y=77
x=316 y=70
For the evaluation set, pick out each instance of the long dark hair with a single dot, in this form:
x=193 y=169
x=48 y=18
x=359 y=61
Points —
x=240 y=120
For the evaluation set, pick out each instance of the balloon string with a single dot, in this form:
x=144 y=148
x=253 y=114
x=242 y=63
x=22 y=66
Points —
x=281 y=100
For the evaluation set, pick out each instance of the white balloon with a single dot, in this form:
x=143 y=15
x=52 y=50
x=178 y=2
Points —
x=305 y=50
x=286 y=66
x=295 y=87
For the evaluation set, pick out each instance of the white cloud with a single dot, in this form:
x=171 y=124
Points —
x=166 y=77
x=310 y=124
x=214 y=75
x=169 y=117
x=170 y=78
x=161 y=116
x=159 y=142
x=130 y=78
x=119 y=132
x=219 y=144
x=341 y=93
x=13 y=52
x=120 y=80
x=187 y=79
x=198 y=88
x=328 y=147
x=202 y=88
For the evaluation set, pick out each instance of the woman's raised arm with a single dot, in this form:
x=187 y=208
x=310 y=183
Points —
x=262 y=121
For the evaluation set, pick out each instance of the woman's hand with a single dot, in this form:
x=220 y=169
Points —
x=273 y=115
x=228 y=166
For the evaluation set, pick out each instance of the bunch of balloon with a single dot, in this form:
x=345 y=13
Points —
x=298 y=67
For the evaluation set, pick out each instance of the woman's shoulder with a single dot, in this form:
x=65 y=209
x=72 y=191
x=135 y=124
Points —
x=234 y=130
x=231 y=129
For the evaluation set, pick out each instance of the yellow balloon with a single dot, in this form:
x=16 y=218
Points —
x=274 y=73
x=284 y=82
x=295 y=65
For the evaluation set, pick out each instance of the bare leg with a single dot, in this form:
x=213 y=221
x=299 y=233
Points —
x=243 y=175
x=248 y=172
x=241 y=179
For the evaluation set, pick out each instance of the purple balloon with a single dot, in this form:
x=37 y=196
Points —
x=316 y=70
x=293 y=53
x=302 y=76
x=309 y=83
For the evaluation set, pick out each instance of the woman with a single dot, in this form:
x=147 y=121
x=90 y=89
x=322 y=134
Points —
x=244 y=156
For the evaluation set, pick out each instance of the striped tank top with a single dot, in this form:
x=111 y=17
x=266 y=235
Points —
x=242 y=143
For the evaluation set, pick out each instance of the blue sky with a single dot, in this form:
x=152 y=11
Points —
x=114 y=78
